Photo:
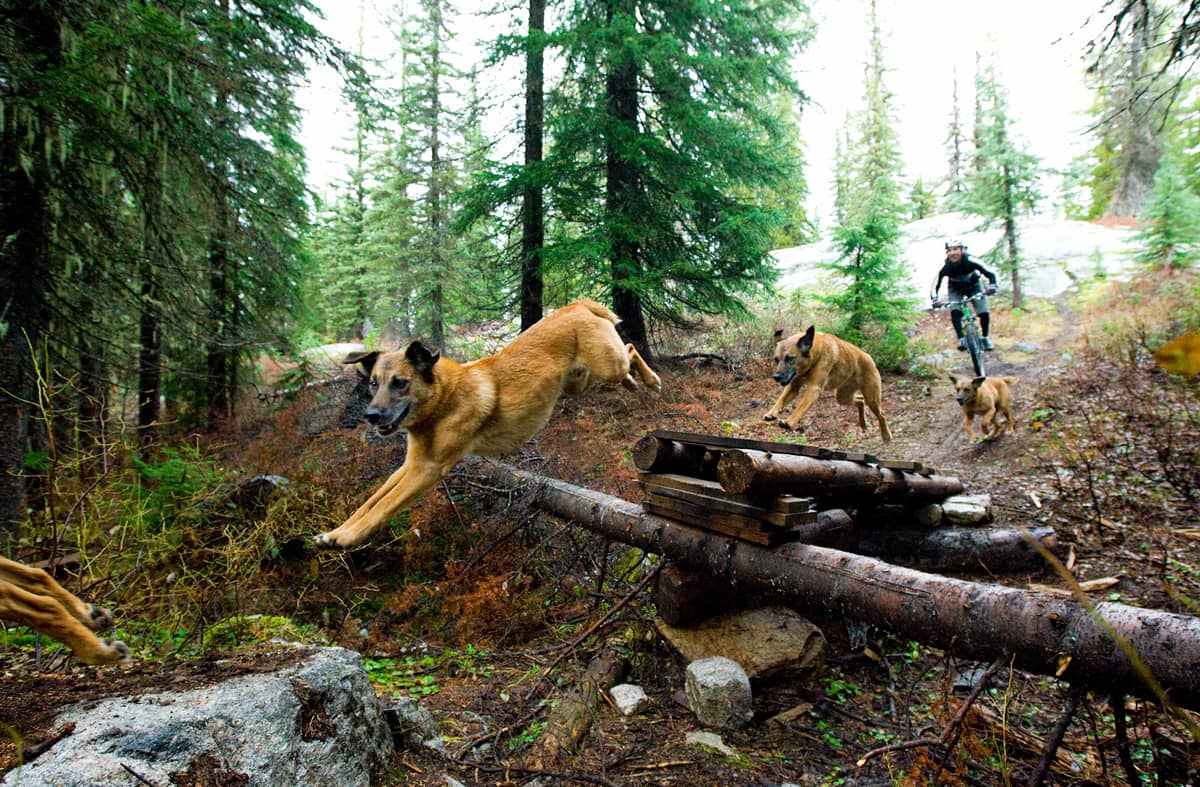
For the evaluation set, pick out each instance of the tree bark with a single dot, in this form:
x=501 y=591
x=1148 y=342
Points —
x=533 y=227
x=959 y=548
x=757 y=472
x=25 y=275
x=1042 y=633
x=622 y=187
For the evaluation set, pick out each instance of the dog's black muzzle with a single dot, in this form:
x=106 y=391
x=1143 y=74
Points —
x=386 y=420
x=783 y=378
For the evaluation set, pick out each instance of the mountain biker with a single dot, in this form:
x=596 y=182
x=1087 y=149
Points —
x=962 y=274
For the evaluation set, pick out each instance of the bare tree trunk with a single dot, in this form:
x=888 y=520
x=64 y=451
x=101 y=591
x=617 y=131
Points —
x=621 y=195
x=1044 y=634
x=533 y=227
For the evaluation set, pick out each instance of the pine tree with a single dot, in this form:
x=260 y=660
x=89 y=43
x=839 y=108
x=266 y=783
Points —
x=1169 y=238
x=955 y=147
x=874 y=297
x=1131 y=109
x=666 y=149
x=1004 y=184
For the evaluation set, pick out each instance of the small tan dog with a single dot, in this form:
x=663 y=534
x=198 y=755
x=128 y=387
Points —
x=485 y=407
x=816 y=361
x=988 y=397
x=29 y=596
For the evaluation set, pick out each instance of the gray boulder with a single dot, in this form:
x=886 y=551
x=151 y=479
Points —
x=315 y=723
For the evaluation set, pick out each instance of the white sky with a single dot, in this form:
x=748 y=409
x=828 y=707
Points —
x=1036 y=44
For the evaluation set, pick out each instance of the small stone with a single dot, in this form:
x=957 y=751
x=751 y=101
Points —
x=718 y=691
x=628 y=698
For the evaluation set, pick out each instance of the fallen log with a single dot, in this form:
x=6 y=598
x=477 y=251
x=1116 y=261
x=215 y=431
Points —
x=959 y=548
x=759 y=472
x=571 y=719
x=1044 y=634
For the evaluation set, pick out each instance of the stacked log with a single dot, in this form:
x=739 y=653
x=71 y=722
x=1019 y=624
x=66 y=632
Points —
x=771 y=494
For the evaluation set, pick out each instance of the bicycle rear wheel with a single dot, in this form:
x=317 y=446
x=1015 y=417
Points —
x=975 y=350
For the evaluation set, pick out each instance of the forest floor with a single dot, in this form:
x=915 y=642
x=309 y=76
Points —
x=478 y=598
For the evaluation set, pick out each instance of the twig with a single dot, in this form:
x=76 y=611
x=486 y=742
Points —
x=137 y=776
x=1117 y=700
x=1056 y=737
x=569 y=647
x=952 y=728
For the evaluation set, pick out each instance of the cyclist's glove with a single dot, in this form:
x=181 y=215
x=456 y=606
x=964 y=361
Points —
x=990 y=290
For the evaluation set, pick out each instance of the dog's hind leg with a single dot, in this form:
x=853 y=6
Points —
x=849 y=395
x=872 y=395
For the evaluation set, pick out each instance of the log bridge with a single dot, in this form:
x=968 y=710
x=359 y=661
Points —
x=1100 y=645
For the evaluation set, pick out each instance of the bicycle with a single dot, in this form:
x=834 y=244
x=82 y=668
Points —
x=970 y=328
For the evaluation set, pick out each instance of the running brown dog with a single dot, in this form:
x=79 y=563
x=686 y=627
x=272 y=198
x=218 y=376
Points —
x=29 y=596
x=988 y=397
x=816 y=361
x=485 y=407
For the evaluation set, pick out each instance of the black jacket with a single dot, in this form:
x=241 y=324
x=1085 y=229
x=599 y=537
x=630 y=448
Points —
x=964 y=277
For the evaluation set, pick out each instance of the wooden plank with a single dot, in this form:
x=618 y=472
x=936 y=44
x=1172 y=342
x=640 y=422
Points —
x=754 y=532
x=784 y=504
x=720 y=507
x=717 y=443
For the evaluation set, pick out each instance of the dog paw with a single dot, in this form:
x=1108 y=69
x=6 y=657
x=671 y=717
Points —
x=331 y=540
x=115 y=652
x=769 y=416
x=99 y=618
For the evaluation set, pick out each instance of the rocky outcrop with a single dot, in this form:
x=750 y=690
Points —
x=315 y=723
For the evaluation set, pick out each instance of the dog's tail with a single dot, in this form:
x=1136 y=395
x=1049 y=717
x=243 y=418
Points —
x=600 y=310
x=1009 y=380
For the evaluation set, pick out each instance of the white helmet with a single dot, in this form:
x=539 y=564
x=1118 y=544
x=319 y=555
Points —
x=955 y=242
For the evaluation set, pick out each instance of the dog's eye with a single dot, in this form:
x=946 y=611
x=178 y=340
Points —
x=399 y=384
x=373 y=384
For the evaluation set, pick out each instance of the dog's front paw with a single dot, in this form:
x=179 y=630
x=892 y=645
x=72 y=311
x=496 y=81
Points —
x=769 y=416
x=118 y=651
x=333 y=540
x=99 y=618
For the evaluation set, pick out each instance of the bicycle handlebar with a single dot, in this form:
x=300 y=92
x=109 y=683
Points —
x=936 y=304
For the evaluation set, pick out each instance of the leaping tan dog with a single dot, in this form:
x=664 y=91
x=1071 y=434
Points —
x=29 y=596
x=815 y=361
x=485 y=407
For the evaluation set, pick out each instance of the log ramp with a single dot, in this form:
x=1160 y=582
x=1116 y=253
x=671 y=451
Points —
x=1109 y=647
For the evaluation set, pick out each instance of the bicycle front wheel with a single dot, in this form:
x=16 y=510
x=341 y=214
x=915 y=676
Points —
x=975 y=350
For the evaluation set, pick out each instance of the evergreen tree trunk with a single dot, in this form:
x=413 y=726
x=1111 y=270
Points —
x=25 y=275
x=533 y=228
x=1010 y=237
x=437 y=228
x=219 y=344
x=621 y=190
x=92 y=388
x=149 y=355
x=1141 y=148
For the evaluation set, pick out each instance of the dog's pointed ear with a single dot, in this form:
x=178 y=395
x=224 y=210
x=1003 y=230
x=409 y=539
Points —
x=778 y=335
x=806 y=341
x=953 y=379
x=422 y=359
x=365 y=360
x=978 y=381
